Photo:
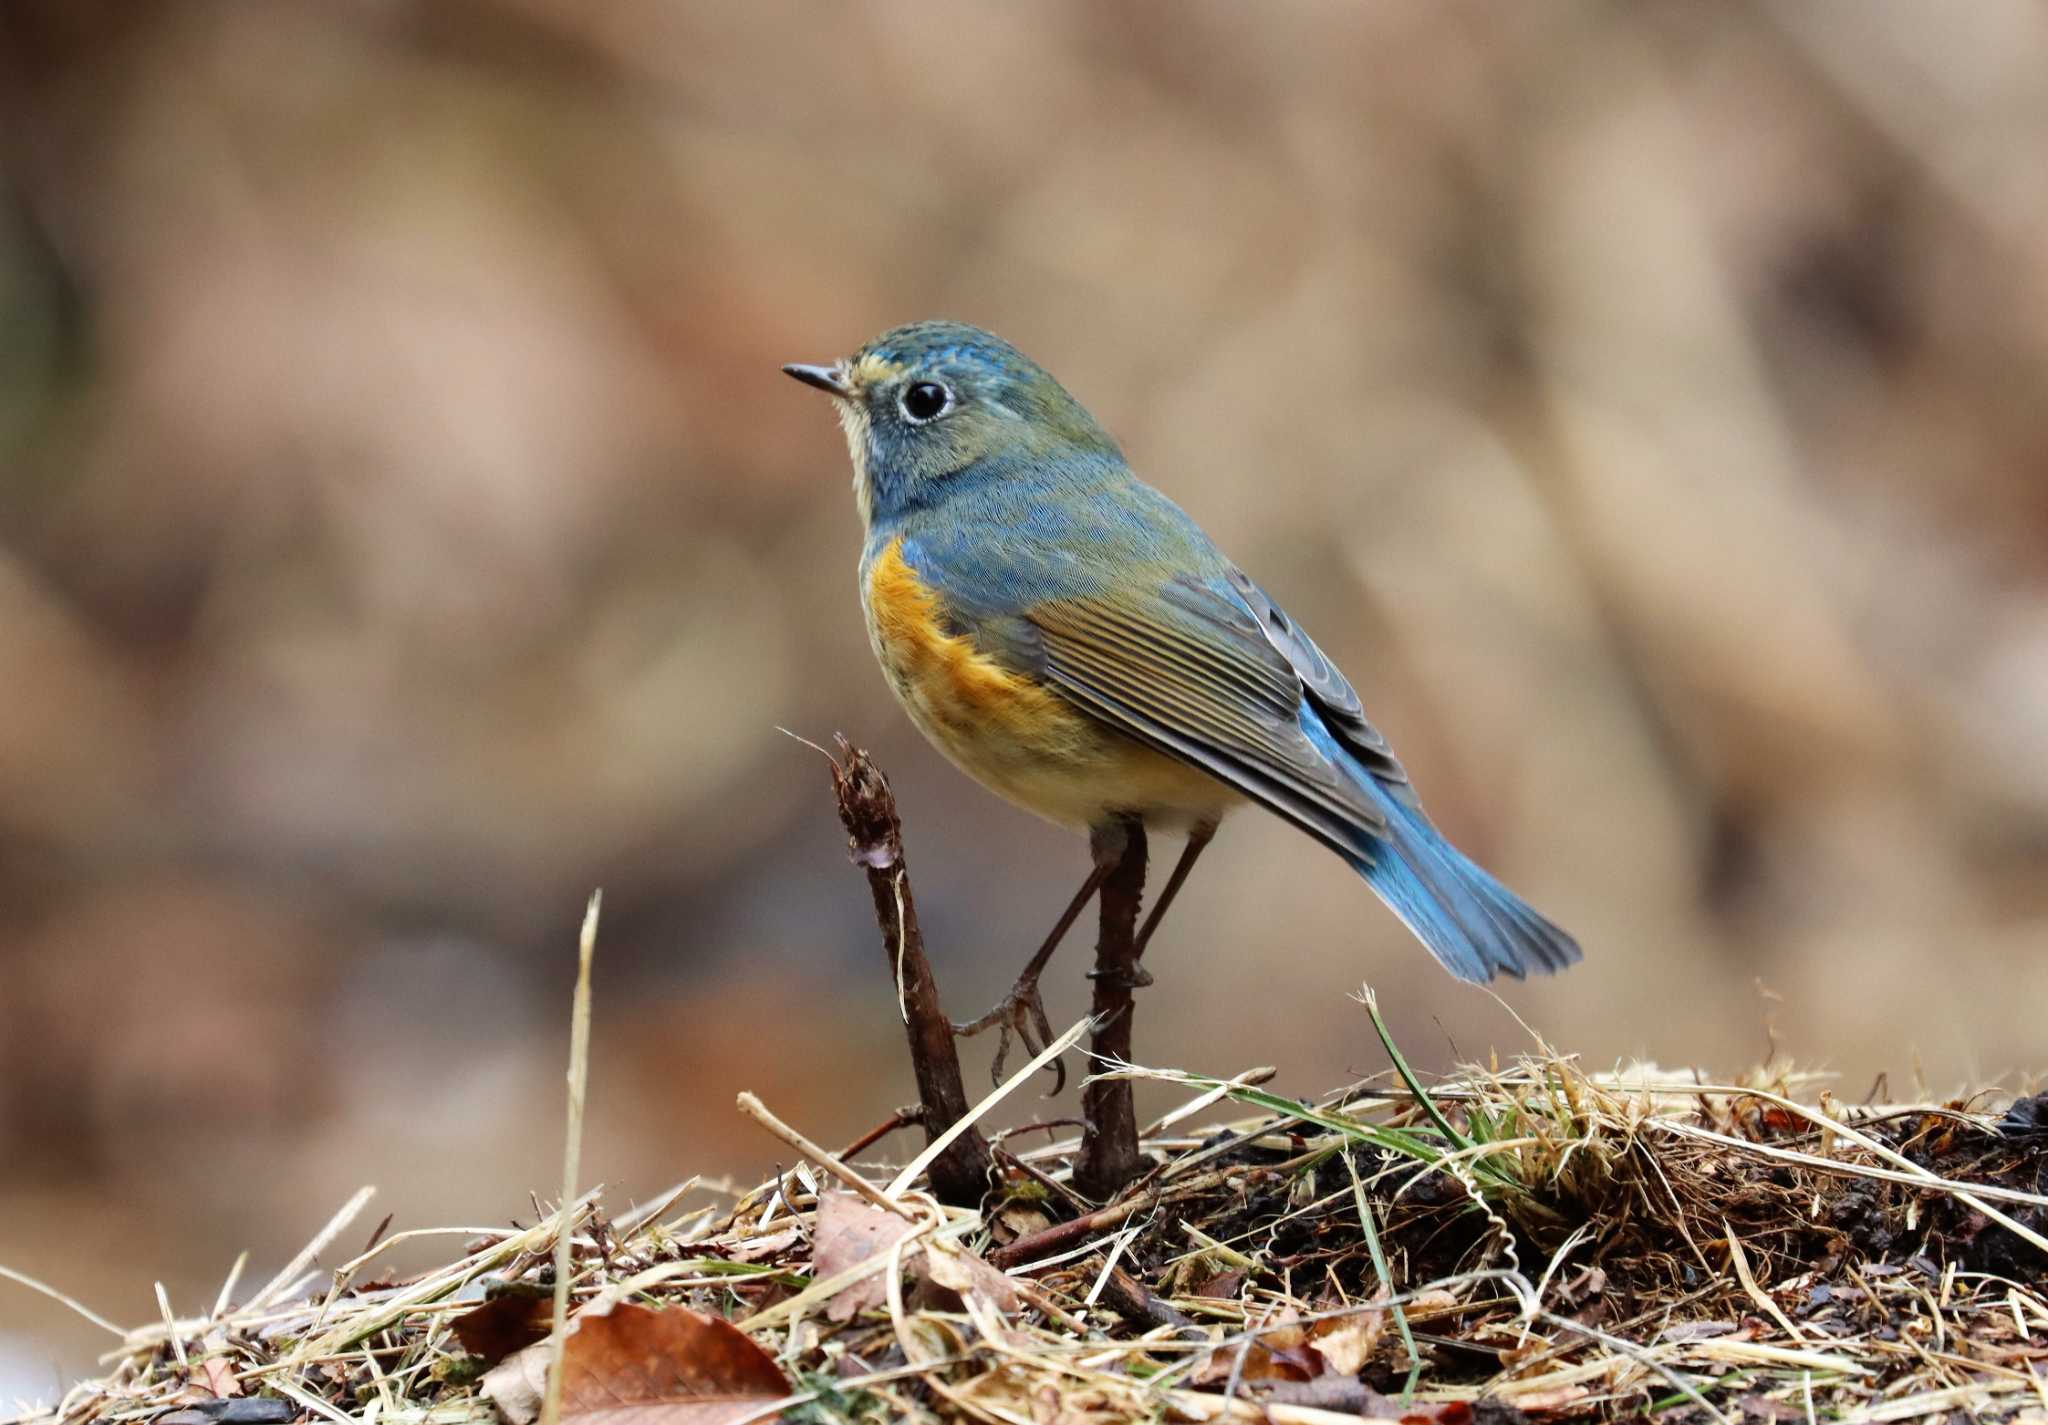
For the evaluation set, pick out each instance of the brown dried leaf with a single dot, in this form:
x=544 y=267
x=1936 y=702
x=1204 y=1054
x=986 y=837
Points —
x=1587 y=1284
x=1347 y=1343
x=1019 y=1220
x=1430 y=1304
x=849 y=1232
x=516 y=1384
x=1279 y=1352
x=1557 y=1398
x=960 y=1271
x=217 y=1376
x=504 y=1324
x=633 y=1366
x=768 y=1244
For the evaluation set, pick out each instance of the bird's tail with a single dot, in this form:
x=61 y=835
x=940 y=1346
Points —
x=1474 y=925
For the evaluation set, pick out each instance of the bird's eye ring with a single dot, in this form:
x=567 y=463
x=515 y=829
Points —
x=925 y=401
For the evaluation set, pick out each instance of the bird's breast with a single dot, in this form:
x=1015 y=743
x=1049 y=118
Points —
x=1010 y=731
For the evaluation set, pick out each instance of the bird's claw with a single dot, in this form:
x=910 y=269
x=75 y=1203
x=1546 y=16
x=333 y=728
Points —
x=1021 y=1013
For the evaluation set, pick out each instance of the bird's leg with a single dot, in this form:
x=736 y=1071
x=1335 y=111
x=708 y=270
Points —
x=1135 y=976
x=1198 y=839
x=1022 y=1011
x=1109 y=1156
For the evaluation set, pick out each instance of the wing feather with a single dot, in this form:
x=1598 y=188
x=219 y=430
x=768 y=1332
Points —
x=1217 y=693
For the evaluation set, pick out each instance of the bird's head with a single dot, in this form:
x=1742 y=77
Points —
x=924 y=403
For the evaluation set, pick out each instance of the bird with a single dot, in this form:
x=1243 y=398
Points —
x=1070 y=638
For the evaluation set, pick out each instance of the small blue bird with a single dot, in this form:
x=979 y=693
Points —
x=1071 y=639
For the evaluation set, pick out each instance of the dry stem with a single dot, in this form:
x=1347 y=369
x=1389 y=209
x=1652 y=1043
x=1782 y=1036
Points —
x=875 y=838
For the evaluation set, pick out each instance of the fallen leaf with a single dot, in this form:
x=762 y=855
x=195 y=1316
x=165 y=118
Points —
x=1277 y=1352
x=219 y=1377
x=1770 y=1119
x=768 y=1244
x=516 y=1384
x=850 y=1231
x=1534 y=1348
x=1549 y=1401
x=1347 y=1343
x=960 y=1271
x=633 y=1366
x=504 y=1324
x=1698 y=1330
x=1586 y=1285
x=1019 y=1220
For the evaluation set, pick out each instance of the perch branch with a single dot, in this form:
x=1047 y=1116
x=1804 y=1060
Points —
x=960 y=1174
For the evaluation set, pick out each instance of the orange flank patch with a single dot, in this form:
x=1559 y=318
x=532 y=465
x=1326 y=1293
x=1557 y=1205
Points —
x=949 y=679
x=1008 y=731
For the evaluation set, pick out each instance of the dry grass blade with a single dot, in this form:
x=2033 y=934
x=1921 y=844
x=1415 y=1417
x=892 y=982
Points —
x=938 y=1145
x=79 y=1307
x=325 y=1237
x=572 y=1147
x=823 y=1157
x=1340 y=1258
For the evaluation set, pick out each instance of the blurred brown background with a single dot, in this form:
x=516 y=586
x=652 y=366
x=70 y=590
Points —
x=404 y=528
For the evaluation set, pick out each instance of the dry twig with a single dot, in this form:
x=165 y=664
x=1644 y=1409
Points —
x=875 y=839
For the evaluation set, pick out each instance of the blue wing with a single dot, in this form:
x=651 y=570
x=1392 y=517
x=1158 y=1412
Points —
x=1179 y=649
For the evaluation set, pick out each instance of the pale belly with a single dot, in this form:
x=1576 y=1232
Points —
x=1019 y=739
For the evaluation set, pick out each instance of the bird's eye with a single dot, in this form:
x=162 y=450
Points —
x=926 y=401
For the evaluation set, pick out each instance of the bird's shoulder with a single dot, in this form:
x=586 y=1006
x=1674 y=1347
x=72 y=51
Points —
x=1020 y=536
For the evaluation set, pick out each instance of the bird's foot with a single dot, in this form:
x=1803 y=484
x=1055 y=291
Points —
x=1137 y=977
x=1021 y=1013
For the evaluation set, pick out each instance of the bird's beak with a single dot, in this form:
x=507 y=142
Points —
x=828 y=379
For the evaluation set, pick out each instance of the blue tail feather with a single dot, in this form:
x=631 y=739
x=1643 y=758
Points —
x=1474 y=925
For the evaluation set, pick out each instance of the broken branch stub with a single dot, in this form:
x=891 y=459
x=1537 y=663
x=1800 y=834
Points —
x=874 y=835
